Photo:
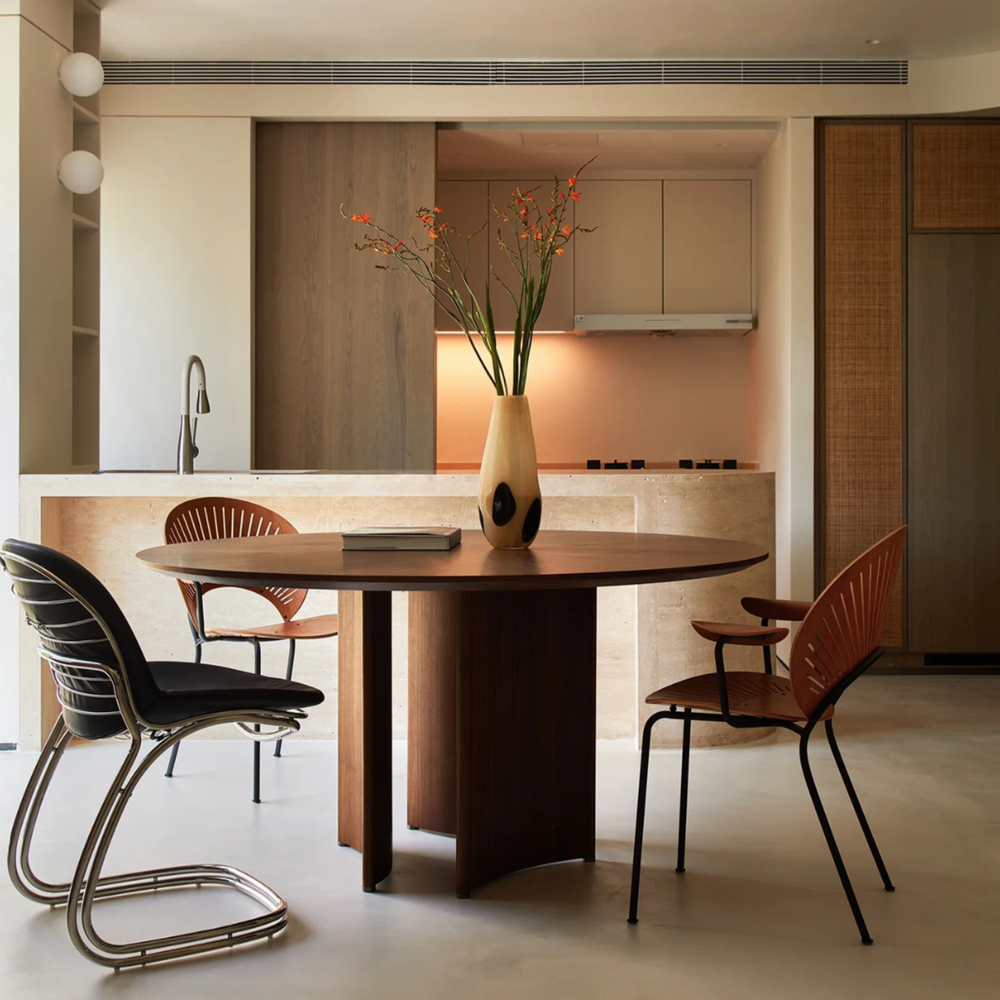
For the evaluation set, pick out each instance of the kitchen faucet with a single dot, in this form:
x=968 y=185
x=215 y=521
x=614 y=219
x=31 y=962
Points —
x=187 y=450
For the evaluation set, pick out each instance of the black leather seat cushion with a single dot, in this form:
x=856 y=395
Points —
x=188 y=690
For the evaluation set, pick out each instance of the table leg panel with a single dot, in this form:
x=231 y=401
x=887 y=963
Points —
x=365 y=730
x=526 y=732
x=434 y=645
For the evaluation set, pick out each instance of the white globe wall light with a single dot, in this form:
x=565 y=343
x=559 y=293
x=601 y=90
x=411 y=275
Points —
x=80 y=172
x=81 y=74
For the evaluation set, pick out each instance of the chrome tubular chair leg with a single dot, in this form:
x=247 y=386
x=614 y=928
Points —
x=288 y=676
x=640 y=817
x=856 y=802
x=19 y=849
x=256 y=744
x=88 y=885
x=831 y=842
x=685 y=766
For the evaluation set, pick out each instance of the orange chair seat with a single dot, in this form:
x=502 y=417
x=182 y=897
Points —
x=762 y=695
x=317 y=627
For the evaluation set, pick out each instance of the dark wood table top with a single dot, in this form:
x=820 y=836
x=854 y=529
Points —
x=558 y=560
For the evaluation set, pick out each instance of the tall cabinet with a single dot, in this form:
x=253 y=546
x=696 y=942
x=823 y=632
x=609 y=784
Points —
x=908 y=351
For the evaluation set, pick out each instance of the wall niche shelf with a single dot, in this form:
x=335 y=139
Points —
x=86 y=321
x=84 y=116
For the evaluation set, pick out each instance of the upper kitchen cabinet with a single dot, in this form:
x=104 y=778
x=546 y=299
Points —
x=956 y=175
x=619 y=266
x=557 y=312
x=466 y=206
x=707 y=246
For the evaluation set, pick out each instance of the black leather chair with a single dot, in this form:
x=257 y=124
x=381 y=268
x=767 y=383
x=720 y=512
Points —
x=106 y=687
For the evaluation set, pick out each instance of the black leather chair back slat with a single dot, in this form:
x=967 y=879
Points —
x=55 y=593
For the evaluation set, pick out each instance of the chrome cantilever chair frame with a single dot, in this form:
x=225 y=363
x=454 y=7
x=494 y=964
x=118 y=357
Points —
x=88 y=884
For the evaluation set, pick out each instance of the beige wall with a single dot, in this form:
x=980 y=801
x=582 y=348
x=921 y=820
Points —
x=780 y=422
x=176 y=279
x=936 y=86
x=616 y=396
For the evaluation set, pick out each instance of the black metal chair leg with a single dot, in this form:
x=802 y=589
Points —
x=856 y=802
x=256 y=743
x=169 y=773
x=640 y=817
x=685 y=767
x=288 y=677
x=173 y=760
x=831 y=842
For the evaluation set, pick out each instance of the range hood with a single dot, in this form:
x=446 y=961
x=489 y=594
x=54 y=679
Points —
x=679 y=324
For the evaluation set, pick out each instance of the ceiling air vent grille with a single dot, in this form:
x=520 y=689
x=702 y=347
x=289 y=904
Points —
x=514 y=74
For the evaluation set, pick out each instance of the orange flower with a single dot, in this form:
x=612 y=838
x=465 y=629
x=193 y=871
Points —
x=572 y=182
x=433 y=235
x=523 y=211
x=560 y=251
x=565 y=229
x=361 y=218
x=575 y=195
x=438 y=209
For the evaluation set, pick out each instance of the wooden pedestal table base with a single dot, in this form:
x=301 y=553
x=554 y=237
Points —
x=502 y=726
x=502 y=677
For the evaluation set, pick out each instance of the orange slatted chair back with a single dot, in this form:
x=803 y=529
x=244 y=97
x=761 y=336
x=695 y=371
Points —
x=845 y=624
x=220 y=517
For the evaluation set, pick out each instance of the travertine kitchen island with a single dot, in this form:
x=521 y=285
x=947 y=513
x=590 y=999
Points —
x=644 y=639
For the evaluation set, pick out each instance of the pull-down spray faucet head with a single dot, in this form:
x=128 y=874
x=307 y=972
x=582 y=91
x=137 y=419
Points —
x=187 y=450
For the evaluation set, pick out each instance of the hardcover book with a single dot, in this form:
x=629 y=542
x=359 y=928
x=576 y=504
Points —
x=430 y=539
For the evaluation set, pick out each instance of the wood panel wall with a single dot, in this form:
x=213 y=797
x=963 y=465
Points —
x=953 y=357
x=861 y=344
x=344 y=353
x=956 y=175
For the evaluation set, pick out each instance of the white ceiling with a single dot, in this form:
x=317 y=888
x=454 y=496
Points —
x=547 y=29
x=489 y=152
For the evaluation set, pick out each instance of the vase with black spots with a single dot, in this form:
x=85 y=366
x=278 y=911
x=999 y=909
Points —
x=510 y=503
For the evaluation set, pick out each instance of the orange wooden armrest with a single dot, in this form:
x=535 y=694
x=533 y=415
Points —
x=775 y=610
x=740 y=635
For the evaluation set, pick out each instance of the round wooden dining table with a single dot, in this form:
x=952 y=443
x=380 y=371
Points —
x=502 y=678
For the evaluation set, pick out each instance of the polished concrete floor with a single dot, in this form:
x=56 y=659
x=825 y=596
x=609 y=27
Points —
x=759 y=912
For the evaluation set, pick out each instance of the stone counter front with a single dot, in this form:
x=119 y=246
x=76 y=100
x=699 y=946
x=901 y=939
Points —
x=644 y=636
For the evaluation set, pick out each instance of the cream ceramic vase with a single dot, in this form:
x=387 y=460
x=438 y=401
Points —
x=510 y=504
